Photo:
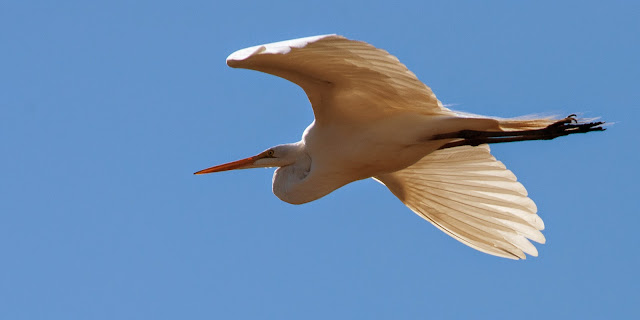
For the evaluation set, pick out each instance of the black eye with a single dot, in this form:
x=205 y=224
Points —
x=270 y=152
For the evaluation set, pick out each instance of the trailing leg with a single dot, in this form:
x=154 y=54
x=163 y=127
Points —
x=566 y=126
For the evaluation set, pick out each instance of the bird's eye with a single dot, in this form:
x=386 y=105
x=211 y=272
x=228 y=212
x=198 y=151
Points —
x=270 y=152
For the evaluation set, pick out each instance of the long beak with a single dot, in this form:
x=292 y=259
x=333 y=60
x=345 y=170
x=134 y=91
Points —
x=238 y=164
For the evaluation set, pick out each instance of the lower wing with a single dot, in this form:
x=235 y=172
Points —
x=468 y=194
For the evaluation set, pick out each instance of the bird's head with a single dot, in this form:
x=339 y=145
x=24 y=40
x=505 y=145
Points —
x=278 y=156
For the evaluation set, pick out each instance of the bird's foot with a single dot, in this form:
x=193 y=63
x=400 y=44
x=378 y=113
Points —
x=571 y=125
x=569 y=119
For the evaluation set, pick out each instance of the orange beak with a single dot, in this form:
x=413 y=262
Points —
x=238 y=164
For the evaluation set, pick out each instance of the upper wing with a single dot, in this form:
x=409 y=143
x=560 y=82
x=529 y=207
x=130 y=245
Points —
x=467 y=193
x=342 y=77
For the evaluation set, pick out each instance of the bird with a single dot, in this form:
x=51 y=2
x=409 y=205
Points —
x=375 y=119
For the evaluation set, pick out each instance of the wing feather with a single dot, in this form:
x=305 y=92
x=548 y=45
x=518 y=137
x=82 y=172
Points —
x=342 y=78
x=468 y=194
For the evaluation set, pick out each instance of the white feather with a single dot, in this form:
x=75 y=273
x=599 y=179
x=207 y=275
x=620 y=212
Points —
x=470 y=195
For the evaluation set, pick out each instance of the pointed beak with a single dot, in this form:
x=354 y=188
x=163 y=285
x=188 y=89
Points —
x=239 y=164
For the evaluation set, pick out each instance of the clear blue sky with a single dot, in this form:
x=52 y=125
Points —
x=108 y=107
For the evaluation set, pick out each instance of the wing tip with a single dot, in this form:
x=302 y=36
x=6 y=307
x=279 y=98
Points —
x=280 y=47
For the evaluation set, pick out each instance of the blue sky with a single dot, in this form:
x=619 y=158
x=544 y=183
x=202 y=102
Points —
x=108 y=107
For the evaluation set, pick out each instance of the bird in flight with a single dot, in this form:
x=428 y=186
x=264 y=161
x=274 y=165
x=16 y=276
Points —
x=375 y=119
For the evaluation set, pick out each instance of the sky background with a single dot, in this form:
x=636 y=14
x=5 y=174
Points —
x=108 y=107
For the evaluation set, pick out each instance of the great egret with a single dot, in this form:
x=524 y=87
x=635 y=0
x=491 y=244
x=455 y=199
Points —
x=375 y=119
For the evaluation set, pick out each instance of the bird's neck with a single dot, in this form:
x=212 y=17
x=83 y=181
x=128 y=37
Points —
x=296 y=187
x=297 y=183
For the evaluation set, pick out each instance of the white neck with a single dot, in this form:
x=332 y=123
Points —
x=295 y=182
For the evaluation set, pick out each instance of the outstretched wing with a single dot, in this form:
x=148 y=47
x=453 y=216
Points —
x=342 y=78
x=467 y=193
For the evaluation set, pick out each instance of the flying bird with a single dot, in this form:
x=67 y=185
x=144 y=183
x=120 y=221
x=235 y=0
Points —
x=375 y=119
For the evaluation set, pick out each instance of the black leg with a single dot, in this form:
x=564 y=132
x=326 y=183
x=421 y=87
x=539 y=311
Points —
x=566 y=126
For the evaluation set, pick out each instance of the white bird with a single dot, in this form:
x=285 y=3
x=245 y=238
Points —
x=375 y=119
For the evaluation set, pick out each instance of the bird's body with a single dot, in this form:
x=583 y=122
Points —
x=375 y=119
x=345 y=152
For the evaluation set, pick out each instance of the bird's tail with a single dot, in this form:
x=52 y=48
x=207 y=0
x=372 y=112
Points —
x=526 y=123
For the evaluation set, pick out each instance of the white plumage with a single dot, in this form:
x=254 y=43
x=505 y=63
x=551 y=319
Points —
x=375 y=119
x=468 y=194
